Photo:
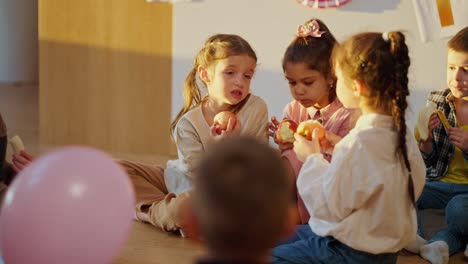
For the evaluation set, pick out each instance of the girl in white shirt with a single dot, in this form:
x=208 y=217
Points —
x=362 y=204
x=225 y=66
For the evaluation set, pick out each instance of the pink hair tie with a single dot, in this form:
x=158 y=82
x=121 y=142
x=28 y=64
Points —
x=309 y=29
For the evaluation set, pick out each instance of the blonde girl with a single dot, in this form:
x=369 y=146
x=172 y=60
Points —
x=225 y=66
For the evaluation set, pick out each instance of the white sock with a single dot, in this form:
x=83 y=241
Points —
x=436 y=252
x=466 y=251
x=416 y=245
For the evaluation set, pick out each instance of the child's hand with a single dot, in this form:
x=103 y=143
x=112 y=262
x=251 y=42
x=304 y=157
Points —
x=458 y=137
x=426 y=145
x=272 y=127
x=230 y=130
x=21 y=160
x=285 y=146
x=328 y=142
x=434 y=122
x=304 y=147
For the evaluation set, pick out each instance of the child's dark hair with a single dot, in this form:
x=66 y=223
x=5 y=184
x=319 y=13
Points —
x=217 y=47
x=381 y=62
x=459 y=42
x=315 y=52
x=241 y=197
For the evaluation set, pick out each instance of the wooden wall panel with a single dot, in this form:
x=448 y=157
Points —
x=105 y=74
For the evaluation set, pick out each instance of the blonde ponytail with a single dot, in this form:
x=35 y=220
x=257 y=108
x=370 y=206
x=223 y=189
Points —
x=191 y=94
x=216 y=47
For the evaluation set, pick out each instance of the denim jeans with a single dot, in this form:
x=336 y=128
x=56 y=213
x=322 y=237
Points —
x=453 y=198
x=306 y=247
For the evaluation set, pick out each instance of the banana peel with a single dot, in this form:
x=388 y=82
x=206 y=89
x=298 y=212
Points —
x=421 y=131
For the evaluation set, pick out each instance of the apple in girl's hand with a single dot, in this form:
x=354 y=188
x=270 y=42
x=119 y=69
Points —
x=285 y=131
x=222 y=120
x=306 y=128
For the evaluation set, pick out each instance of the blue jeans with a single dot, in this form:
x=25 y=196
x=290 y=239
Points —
x=308 y=248
x=453 y=198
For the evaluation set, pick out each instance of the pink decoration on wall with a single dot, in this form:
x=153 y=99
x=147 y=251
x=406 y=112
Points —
x=323 y=3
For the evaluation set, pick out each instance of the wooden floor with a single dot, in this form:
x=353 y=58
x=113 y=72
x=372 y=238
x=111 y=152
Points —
x=146 y=244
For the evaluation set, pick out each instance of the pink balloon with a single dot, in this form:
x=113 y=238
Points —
x=72 y=205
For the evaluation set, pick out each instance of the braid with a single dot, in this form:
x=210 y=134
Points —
x=399 y=50
x=381 y=62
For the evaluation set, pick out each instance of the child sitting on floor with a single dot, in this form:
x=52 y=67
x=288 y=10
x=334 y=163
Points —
x=241 y=204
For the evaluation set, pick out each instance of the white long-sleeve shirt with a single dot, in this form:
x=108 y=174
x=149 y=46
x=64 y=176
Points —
x=361 y=198
x=192 y=135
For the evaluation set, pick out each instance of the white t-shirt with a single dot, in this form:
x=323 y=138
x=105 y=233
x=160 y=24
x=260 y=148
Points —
x=361 y=197
x=192 y=135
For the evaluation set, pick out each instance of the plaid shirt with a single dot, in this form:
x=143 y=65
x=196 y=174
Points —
x=438 y=160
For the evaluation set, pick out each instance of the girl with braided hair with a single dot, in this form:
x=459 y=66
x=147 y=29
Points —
x=376 y=172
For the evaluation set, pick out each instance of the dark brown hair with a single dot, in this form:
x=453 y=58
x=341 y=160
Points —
x=216 y=47
x=459 y=42
x=315 y=52
x=241 y=197
x=382 y=65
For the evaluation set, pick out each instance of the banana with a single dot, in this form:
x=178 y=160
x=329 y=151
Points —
x=421 y=131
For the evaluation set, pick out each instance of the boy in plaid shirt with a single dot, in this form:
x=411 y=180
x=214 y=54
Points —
x=445 y=153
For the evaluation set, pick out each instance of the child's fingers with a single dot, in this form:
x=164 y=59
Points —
x=214 y=130
x=274 y=120
x=237 y=128
x=456 y=142
x=285 y=146
x=19 y=166
x=299 y=138
x=272 y=126
x=272 y=129
x=15 y=168
x=229 y=125
x=20 y=159
x=271 y=134
x=455 y=137
x=434 y=122
x=456 y=131
x=315 y=139
x=27 y=155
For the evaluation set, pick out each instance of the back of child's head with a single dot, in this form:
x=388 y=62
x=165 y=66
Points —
x=380 y=61
x=216 y=47
x=312 y=49
x=459 y=42
x=241 y=197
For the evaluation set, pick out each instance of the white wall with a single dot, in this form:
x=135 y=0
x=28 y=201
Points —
x=269 y=26
x=18 y=40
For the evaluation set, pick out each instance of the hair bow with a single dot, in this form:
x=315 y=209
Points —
x=309 y=29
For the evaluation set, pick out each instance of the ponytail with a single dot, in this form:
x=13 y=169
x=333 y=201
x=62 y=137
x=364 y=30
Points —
x=191 y=94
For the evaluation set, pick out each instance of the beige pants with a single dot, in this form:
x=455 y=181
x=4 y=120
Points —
x=154 y=204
